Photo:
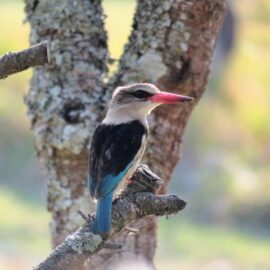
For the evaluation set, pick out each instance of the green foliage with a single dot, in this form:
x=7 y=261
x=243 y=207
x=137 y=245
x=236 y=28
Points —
x=197 y=246
x=25 y=222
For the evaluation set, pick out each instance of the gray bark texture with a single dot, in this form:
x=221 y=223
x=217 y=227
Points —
x=36 y=55
x=137 y=201
x=171 y=45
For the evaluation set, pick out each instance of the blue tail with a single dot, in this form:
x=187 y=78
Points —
x=102 y=223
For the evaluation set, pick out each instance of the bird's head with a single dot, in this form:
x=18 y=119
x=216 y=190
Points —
x=136 y=101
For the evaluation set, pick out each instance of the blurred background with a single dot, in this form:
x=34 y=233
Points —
x=224 y=173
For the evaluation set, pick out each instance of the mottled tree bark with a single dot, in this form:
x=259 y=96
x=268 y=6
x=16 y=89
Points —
x=171 y=45
x=36 y=55
x=138 y=200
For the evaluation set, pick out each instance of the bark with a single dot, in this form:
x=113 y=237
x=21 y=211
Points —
x=171 y=45
x=11 y=63
x=137 y=201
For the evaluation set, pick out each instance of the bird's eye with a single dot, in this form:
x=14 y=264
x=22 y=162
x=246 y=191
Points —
x=142 y=94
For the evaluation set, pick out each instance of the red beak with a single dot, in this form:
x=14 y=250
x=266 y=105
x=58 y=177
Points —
x=169 y=98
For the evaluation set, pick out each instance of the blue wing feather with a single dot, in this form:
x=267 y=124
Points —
x=110 y=182
x=112 y=153
x=102 y=223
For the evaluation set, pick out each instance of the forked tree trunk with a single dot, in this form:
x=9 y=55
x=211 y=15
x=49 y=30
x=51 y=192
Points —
x=171 y=45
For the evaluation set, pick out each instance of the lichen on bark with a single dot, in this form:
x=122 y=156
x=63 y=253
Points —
x=171 y=45
x=138 y=200
x=63 y=101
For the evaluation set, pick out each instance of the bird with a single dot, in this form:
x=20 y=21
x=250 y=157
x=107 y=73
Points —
x=119 y=142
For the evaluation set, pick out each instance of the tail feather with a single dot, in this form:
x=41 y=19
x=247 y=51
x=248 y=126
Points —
x=102 y=223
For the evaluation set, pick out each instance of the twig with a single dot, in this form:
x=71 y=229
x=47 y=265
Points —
x=82 y=215
x=137 y=201
x=36 y=55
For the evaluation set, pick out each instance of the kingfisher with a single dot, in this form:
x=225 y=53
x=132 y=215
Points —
x=119 y=142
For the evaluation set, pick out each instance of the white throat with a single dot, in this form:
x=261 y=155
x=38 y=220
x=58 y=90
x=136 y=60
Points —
x=120 y=116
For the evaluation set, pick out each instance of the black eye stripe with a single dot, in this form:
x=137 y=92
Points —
x=141 y=94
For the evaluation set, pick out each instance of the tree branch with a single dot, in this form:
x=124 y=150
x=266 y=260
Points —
x=171 y=45
x=36 y=55
x=136 y=201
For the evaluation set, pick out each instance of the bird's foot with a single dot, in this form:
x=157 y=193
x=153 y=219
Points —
x=90 y=217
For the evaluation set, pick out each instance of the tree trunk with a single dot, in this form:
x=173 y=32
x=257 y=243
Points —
x=171 y=45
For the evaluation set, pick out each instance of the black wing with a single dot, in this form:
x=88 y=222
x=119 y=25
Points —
x=112 y=149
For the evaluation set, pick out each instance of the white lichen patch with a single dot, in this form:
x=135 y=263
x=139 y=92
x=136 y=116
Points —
x=183 y=16
x=187 y=36
x=85 y=205
x=178 y=64
x=151 y=65
x=178 y=25
x=55 y=91
x=184 y=47
x=60 y=196
x=84 y=241
x=166 y=6
x=165 y=21
x=74 y=138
